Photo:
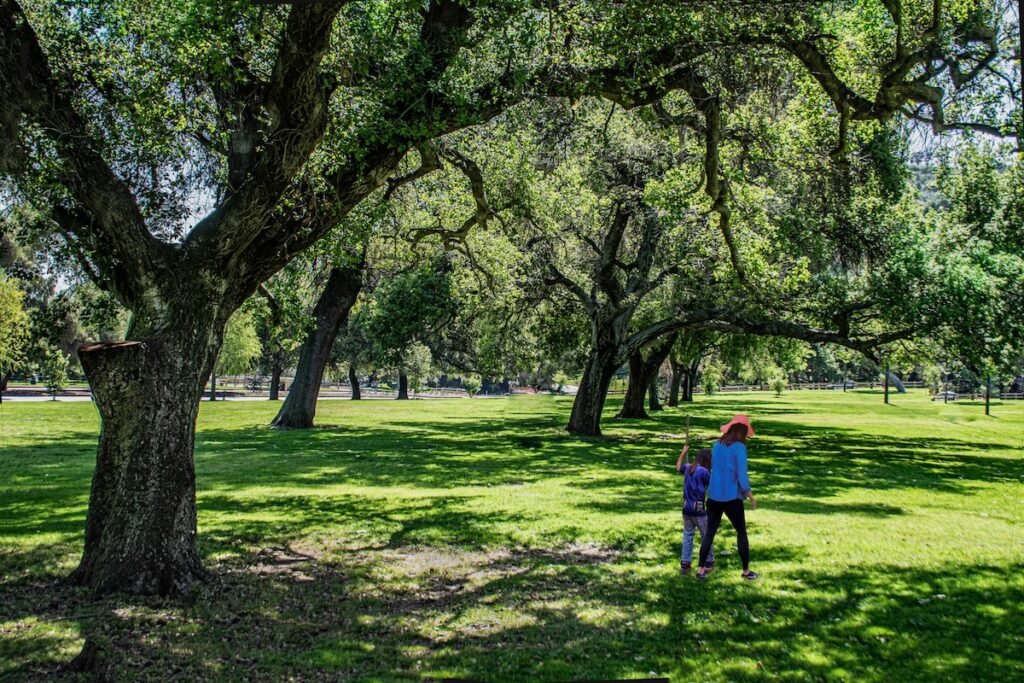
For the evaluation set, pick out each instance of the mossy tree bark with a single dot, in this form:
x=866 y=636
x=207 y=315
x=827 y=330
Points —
x=141 y=524
x=622 y=288
x=636 y=390
x=140 y=532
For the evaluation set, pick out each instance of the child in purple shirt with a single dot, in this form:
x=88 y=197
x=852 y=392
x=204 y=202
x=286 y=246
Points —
x=696 y=477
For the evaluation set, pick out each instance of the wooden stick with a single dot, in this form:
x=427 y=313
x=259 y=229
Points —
x=686 y=445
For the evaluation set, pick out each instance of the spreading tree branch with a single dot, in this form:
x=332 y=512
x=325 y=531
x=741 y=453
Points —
x=429 y=162
x=557 y=277
x=716 y=185
x=637 y=281
x=724 y=319
x=295 y=101
x=481 y=213
x=605 y=276
x=113 y=225
x=419 y=113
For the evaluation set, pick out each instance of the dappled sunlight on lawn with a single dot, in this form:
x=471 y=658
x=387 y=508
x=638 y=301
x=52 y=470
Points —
x=400 y=541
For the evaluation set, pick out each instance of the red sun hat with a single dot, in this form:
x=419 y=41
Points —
x=738 y=419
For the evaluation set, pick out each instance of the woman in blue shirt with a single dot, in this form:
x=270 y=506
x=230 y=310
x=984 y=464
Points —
x=728 y=487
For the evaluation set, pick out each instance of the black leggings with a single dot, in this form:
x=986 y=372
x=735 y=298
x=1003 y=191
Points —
x=732 y=509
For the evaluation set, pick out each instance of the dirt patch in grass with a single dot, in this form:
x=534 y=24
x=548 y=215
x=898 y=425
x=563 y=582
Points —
x=286 y=560
x=298 y=610
x=423 y=560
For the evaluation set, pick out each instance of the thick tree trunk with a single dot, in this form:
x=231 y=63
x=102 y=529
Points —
x=275 y=380
x=642 y=371
x=140 y=534
x=653 y=400
x=330 y=313
x=677 y=380
x=636 y=390
x=353 y=381
x=585 y=419
x=403 y=386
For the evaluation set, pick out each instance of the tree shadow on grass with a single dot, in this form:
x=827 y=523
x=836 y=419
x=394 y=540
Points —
x=381 y=522
x=364 y=609
x=798 y=470
x=575 y=612
x=472 y=454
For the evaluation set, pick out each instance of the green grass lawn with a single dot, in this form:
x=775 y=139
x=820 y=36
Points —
x=476 y=539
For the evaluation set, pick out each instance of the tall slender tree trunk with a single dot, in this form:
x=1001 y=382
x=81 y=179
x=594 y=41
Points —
x=275 y=380
x=213 y=386
x=403 y=386
x=353 y=381
x=988 y=395
x=330 y=312
x=140 y=534
x=275 y=347
x=690 y=380
x=642 y=371
x=653 y=400
x=674 y=385
x=4 y=378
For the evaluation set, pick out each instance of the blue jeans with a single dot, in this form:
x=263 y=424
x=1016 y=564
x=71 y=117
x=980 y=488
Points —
x=690 y=525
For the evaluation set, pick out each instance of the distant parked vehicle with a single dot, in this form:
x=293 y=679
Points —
x=945 y=396
x=848 y=384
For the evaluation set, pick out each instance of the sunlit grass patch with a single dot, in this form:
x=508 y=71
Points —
x=404 y=541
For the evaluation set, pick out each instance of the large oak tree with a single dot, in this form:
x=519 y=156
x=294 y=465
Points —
x=189 y=151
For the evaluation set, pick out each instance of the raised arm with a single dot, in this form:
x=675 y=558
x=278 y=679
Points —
x=682 y=457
